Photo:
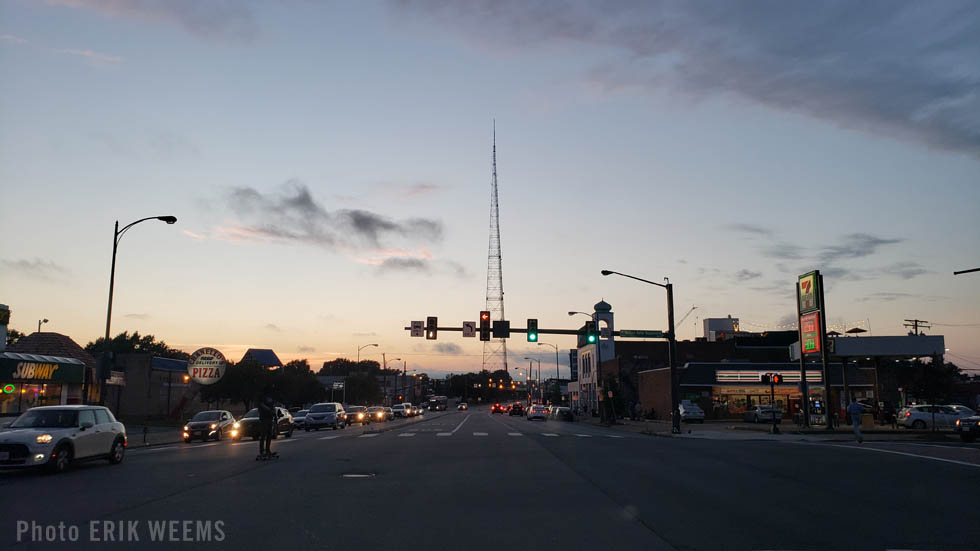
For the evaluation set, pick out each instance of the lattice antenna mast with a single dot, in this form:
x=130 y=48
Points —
x=495 y=351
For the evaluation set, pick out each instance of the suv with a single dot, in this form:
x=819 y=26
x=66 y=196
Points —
x=496 y=408
x=326 y=414
x=57 y=436
x=210 y=424
x=402 y=410
x=358 y=414
x=516 y=409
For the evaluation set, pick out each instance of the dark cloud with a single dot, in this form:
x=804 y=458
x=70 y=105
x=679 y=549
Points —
x=905 y=270
x=448 y=348
x=137 y=316
x=750 y=229
x=292 y=214
x=305 y=349
x=214 y=19
x=746 y=275
x=402 y=264
x=38 y=269
x=903 y=70
x=783 y=251
x=886 y=297
x=855 y=245
x=272 y=327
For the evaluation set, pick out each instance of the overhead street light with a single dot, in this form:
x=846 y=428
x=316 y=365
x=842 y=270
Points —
x=361 y=348
x=675 y=416
x=39 y=322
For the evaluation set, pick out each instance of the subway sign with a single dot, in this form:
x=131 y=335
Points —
x=40 y=371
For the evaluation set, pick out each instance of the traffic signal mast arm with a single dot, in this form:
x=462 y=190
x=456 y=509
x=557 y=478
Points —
x=626 y=333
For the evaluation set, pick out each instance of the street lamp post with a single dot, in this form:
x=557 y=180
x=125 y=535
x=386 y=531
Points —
x=39 y=322
x=557 y=373
x=675 y=417
x=107 y=353
x=384 y=400
x=538 y=380
x=359 y=348
x=603 y=419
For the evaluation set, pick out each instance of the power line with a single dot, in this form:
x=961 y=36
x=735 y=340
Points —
x=957 y=324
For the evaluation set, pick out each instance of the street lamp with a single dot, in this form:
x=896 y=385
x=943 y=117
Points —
x=384 y=401
x=675 y=416
x=538 y=380
x=598 y=368
x=361 y=348
x=116 y=237
x=557 y=373
x=39 y=322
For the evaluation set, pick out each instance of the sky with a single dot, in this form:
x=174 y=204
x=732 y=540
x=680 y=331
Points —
x=329 y=164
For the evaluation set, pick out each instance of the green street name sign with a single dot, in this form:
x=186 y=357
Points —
x=641 y=334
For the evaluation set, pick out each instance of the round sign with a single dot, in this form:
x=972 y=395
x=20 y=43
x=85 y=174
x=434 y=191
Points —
x=9 y=388
x=206 y=366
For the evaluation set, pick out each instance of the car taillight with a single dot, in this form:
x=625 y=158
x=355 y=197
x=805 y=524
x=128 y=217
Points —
x=908 y=414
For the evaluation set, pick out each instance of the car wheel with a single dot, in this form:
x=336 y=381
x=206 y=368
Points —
x=61 y=461
x=117 y=452
x=918 y=424
x=187 y=440
x=289 y=434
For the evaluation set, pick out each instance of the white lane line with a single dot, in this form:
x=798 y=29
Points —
x=584 y=435
x=331 y=437
x=479 y=434
x=548 y=434
x=865 y=448
x=460 y=424
x=156 y=449
x=613 y=436
x=369 y=435
x=407 y=434
x=444 y=434
x=207 y=445
x=284 y=441
x=514 y=434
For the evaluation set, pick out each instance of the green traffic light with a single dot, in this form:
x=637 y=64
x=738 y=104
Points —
x=591 y=338
x=532 y=337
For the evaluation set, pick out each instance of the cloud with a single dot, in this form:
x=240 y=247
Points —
x=402 y=264
x=371 y=334
x=137 y=316
x=189 y=233
x=422 y=188
x=222 y=19
x=750 y=229
x=783 y=251
x=448 y=348
x=305 y=349
x=292 y=214
x=94 y=56
x=903 y=70
x=12 y=38
x=905 y=270
x=272 y=327
x=38 y=269
x=855 y=245
x=746 y=275
x=886 y=297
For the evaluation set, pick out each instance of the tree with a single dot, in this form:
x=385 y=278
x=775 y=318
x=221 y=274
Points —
x=344 y=366
x=241 y=383
x=13 y=336
x=363 y=388
x=126 y=343
x=298 y=365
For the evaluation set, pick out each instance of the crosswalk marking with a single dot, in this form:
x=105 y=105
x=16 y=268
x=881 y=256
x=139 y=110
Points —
x=548 y=434
x=331 y=437
x=444 y=434
x=369 y=435
x=613 y=436
x=584 y=435
x=514 y=434
x=407 y=434
x=479 y=434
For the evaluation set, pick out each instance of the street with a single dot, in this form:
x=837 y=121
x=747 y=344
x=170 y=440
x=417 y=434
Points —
x=472 y=480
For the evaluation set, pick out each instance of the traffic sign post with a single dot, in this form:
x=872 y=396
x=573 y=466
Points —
x=417 y=329
x=469 y=328
x=641 y=334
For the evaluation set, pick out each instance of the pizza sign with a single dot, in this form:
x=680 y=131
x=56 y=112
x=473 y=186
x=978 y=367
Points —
x=809 y=296
x=810 y=332
x=206 y=366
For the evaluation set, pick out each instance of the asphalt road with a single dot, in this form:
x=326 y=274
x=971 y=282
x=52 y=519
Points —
x=469 y=480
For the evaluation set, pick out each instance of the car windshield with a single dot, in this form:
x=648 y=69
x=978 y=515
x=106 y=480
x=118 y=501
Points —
x=323 y=408
x=375 y=409
x=254 y=412
x=356 y=409
x=207 y=416
x=47 y=418
x=301 y=413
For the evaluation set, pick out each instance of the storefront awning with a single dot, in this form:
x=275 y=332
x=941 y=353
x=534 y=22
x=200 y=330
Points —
x=31 y=368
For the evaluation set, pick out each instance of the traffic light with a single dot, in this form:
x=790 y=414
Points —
x=765 y=378
x=590 y=336
x=484 y=325
x=776 y=378
x=532 y=330
x=431 y=328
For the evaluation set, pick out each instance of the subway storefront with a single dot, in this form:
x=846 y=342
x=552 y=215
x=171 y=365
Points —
x=31 y=380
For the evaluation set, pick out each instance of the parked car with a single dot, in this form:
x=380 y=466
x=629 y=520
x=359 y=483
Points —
x=56 y=437
x=326 y=414
x=462 y=406
x=968 y=428
x=691 y=413
x=496 y=408
x=537 y=412
x=248 y=425
x=358 y=414
x=761 y=414
x=921 y=416
x=208 y=425
x=564 y=414
x=377 y=414
x=299 y=418
x=389 y=414
x=516 y=410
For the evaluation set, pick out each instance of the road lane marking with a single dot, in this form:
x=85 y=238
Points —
x=479 y=434
x=866 y=448
x=369 y=435
x=157 y=449
x=444 y=434
x=407 y=434
x=514 y=434
x=613 y=436
x=584 y=435
x=331 y=437
x=460 y=424
x=548 y=434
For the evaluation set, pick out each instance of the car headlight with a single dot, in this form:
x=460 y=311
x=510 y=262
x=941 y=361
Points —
x=235 y=425
x=43 y=439
x=957 y=422
x=186 y=427
x=214 y=426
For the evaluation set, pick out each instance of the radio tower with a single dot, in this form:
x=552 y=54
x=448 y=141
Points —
x=495 y=350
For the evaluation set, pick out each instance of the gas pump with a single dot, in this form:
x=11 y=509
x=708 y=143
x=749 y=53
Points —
x=818 y=411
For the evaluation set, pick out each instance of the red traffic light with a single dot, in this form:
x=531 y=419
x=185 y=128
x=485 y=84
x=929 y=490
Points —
x=777 y=378
x=484 y=316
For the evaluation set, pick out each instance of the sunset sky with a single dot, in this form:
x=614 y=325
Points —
x=329 y=165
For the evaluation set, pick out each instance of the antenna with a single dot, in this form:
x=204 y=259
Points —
x=495 y=351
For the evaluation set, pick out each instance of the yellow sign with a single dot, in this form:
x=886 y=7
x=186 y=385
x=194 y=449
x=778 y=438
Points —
x=30 y=370
x=809 y=295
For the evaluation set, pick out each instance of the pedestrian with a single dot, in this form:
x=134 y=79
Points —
x=267 y=421
x=854 y=411
x=638 y=411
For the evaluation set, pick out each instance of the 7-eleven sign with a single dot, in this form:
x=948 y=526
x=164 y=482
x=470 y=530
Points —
x=809 y=294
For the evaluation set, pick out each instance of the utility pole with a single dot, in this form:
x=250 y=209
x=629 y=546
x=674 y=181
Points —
x=915 y=324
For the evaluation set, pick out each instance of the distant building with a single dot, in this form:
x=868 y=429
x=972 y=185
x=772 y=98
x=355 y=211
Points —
x=262 y=356
x=573 y=363
x=719 y=329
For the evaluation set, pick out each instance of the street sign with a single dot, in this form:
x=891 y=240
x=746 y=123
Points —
x=338 y=386
x=117 y=378
x=604 y=333
x=469 y=328
x=809 y=293
x=501 y=329
x=810 y=331
x=641 y=334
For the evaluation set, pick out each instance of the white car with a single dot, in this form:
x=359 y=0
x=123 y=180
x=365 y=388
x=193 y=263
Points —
x=55 y=437
x=691 y=413
x=402 y=410
x=537 y=412
x=920 y=416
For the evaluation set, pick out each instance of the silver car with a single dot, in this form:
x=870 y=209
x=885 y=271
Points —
x=537 y=412
x=327 y=414
x=55 y=437
x=762 y=414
